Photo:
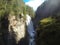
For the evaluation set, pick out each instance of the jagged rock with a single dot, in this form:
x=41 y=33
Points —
x=16 y=28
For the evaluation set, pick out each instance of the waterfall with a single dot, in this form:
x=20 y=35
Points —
x=30 y=30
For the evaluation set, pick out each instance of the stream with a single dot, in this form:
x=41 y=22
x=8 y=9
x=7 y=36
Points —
x=30 y=30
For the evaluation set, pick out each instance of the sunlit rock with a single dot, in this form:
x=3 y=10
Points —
x=16 y=28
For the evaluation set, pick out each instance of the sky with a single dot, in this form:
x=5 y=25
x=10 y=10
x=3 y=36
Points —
x=26 y=0
x=33 y=3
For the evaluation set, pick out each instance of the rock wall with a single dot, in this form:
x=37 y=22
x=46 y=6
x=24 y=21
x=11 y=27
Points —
x=16 y=29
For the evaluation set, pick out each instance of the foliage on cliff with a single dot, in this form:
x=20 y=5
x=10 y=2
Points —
x=30 y=11
x=17 y=6
x=48 y=31
x=48 y=19
x=11 y=7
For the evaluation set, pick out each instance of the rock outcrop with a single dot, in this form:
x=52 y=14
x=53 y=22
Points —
x=48 y=35
x=16 y=28
x=13 y=30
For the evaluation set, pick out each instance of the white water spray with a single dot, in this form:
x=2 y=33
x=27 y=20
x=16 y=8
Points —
x=30 y=30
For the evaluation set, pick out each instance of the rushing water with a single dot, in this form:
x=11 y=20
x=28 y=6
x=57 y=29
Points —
x=30 y=30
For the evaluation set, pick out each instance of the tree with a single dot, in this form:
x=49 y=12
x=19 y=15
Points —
x=30 y=11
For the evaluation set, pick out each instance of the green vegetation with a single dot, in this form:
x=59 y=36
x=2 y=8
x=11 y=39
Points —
x=48 y=31
x=17 y=6
x=30 y=11
x=11 y=7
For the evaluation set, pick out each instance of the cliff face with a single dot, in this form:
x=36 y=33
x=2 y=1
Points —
x=13 y=30
x=16 y=28
x=48 y=8
x=46 y=35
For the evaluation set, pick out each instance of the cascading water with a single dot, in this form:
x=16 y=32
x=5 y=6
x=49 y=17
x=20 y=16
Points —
x=30 y=30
